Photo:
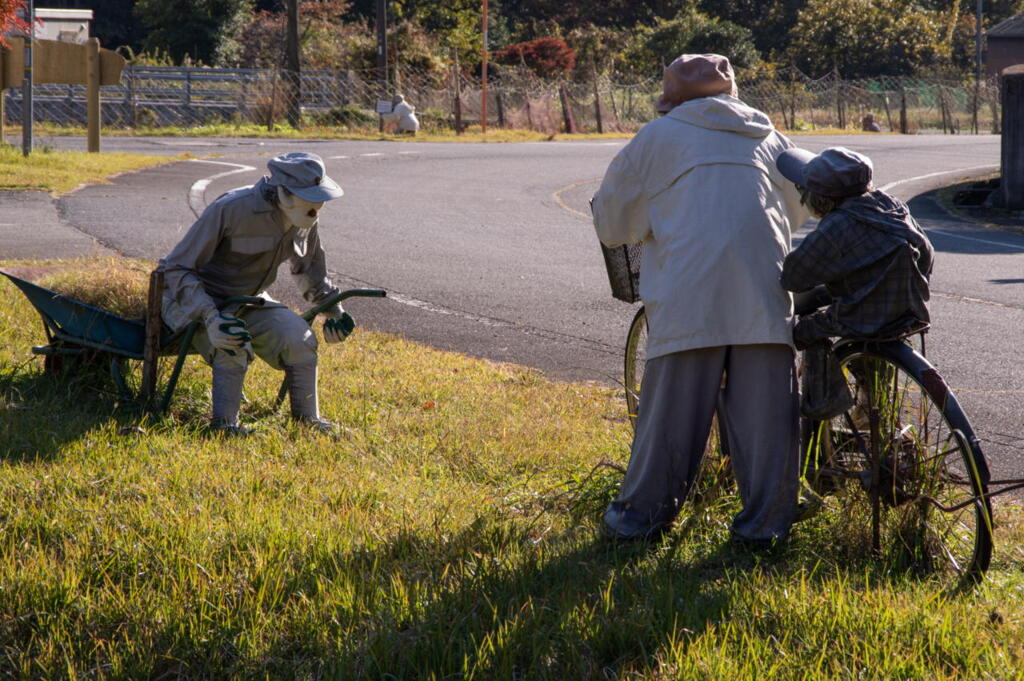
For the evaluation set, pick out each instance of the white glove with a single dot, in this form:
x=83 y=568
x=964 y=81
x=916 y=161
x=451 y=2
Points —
x=337 y=328
x=228 y=333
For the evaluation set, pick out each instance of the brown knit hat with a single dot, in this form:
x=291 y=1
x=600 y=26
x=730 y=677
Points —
x=695 y=75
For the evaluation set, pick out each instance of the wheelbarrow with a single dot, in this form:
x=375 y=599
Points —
x=76 y=329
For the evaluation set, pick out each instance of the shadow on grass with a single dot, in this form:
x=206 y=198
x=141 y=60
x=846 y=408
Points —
x=584 y=608
x=45 y=411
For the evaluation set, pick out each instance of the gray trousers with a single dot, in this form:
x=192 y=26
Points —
x=760 y=407
x=279 y=336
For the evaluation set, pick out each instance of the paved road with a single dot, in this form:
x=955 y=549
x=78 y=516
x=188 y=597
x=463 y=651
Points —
x=487 y=249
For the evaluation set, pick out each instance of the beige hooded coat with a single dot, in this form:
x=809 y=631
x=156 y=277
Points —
x=700 y=188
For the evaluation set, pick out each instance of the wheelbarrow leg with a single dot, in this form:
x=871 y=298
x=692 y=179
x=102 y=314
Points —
x=172 y=382
x=117 y=374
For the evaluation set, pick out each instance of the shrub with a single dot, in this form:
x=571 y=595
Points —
x=548 y=57
x=434 y=118
x=349 y=116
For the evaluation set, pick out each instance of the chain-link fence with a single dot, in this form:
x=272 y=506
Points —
x=162 y=96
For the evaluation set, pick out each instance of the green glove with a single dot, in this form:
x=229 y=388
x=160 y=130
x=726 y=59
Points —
x=227 y=333
x=337 y=329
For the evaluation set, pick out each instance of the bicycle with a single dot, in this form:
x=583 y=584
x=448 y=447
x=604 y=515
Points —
x=901 y=469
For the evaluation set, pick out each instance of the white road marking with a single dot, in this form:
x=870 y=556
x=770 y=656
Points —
x=972 y=238
x=196 y=193
x=373 y=154
x=493 y=322
x=938 y=174
x=339 y=156
x=408 y=152
x=954 y=234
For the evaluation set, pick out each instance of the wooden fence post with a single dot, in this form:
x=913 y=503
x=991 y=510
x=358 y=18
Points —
x=151 y=349
x=457 y=104
x=1011 y=188
x=888 y=113
x=597 y=103
x=570 y=121
x=92 y=81
x=501 y=107
x=904 y=128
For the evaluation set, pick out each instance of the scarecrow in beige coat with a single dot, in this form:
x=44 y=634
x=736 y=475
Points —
x=700 y=189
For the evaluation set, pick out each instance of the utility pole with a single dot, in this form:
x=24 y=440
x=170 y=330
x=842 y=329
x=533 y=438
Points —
x=977 y=67
x=382 y=45
x=291 y=59
x=26 y=87
x=483 y=70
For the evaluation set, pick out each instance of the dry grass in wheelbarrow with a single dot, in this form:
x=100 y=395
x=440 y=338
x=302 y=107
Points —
x=117 y=285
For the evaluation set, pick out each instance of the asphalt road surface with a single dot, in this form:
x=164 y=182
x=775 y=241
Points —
x=487 y=249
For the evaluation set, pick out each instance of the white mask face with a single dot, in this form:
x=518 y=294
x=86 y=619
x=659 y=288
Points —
x=297 y=211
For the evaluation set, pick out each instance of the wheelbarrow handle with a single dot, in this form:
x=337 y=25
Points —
x=331 y=300
x=255 y=301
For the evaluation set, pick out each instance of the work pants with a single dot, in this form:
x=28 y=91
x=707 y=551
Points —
x=759 y=408
x=279 y=336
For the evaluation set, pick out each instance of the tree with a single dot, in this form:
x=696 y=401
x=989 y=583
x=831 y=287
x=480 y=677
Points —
x=769 y=21
x=204 y=30
x=9 y=20
x=690 y=32
x=114 y=21
x=598 y=47
x=864 y=38
x=571 y=14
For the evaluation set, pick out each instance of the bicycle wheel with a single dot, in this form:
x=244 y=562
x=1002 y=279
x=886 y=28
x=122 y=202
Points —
x=636 y=360
x=904 y=468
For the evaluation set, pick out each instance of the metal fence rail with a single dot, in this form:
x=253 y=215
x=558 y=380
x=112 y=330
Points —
x=161 y=96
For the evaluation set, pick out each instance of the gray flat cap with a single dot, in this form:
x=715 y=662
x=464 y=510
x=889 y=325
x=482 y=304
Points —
x=836 y=172
x=304 y=175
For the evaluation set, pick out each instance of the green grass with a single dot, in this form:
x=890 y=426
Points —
x=61 y=171
x=452 y=535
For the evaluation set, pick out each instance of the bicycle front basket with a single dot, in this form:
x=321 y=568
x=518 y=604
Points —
x=623 y=263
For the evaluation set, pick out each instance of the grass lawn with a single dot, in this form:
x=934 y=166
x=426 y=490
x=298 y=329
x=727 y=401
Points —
x=59 y=172
x=453 y=534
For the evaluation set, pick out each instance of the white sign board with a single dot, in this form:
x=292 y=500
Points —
x=384 y=106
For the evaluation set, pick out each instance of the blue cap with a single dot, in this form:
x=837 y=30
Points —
x=304 y=175
x=836 y=172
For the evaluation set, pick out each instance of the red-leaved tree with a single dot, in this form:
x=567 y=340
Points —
x=549 y=57
x=9 y=20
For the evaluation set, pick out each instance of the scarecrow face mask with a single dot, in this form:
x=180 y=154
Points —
x=297 y=211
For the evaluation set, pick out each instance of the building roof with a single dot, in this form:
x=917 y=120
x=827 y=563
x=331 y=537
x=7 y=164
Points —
x=1010 y=28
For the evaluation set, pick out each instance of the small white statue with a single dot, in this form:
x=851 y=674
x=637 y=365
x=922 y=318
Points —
x=402 y=116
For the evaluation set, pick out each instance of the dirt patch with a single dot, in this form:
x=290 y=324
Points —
x=32 y=273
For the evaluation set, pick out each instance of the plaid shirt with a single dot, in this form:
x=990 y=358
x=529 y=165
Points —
x=874 y=260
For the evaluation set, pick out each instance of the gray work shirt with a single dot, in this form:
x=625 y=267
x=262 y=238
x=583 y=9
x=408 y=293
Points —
x=234 y=249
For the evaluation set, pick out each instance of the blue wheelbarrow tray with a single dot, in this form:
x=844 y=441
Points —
x=73 y=328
